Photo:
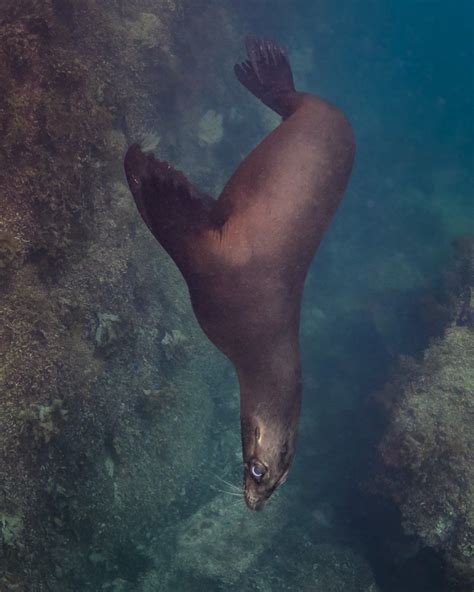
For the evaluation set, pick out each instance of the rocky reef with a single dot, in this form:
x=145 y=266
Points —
x=98 y=404
x=223 y=546
x=426 y=454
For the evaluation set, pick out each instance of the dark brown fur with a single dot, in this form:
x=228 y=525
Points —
x=245 y=256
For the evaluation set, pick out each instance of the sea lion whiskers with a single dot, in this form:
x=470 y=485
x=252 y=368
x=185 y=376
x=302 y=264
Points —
x=228 y=483
x=227 y=492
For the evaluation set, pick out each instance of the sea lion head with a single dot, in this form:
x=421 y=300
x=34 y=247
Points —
x=268 y=449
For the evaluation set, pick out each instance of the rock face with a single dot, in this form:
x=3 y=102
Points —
x=98 y=403
x=204 y=540
x=225 y=547
x=427 y=452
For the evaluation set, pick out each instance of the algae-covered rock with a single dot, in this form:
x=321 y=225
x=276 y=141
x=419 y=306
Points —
x=427 y=451
x=100 y=394
x=312 y=567
x=10 y=529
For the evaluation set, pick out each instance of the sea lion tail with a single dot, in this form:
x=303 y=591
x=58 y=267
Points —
x=267 y=74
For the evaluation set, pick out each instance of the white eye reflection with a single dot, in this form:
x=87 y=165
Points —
x=257 y=471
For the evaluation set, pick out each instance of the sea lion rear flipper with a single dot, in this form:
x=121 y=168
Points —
x=267 y=74
x=172 y=208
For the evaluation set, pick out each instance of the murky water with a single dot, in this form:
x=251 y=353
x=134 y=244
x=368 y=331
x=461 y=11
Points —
x=121 y=461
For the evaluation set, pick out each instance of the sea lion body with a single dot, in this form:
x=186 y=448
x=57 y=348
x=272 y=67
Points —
x=250 y=273
x=245 y=256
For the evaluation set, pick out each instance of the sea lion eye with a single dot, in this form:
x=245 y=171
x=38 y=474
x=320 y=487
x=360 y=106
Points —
x=257 y=471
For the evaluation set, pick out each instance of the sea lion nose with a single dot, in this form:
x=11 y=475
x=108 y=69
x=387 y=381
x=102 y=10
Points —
x=254 y=503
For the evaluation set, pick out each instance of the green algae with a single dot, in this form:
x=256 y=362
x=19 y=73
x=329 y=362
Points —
x=10 y=529
x=43 y=422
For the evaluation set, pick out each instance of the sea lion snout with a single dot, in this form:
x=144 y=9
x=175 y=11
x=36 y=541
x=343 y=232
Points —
x=255 y=495
x=254 y=503
x=268 y=451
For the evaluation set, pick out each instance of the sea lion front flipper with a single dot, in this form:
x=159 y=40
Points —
x=172 y=208
x=267 y=74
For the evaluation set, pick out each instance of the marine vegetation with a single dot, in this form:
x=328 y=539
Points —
x=84 y=311
x=426 y=454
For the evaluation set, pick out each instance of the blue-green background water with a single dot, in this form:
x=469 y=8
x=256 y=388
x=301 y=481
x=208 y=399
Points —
x=118 y=419
x=403 y=72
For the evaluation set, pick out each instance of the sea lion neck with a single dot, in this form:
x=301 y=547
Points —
x=271 y=377
x=270 y=405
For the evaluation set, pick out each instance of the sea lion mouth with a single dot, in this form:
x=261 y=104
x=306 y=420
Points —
x=255 y=504
x=256 y=501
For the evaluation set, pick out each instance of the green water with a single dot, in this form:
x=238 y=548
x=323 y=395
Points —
x=120 y=454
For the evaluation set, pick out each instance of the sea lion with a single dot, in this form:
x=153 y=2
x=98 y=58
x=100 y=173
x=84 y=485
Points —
x=245 y=256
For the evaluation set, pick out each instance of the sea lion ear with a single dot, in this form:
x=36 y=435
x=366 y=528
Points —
x=246 y=427
x=251 y=434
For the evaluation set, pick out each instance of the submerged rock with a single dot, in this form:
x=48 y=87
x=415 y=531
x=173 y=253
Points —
x=227 y=548
x=427 y=452
x=106 y=333
x=90 y=466
x=223 y=540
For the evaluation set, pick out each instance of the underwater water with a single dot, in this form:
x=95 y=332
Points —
x=120 y=445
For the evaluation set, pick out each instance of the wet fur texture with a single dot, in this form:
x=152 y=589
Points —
x=245 y=256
